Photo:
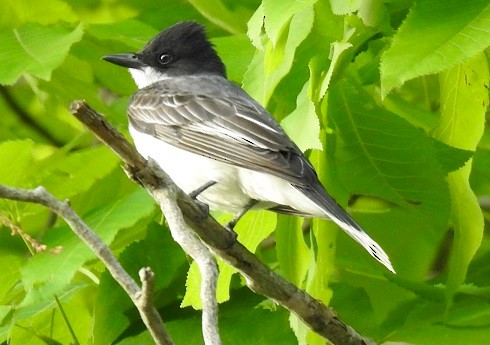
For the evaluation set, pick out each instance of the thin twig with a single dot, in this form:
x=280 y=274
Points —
x=259 y=277
x=40 y=196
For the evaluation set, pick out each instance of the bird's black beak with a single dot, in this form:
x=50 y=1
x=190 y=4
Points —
x=130 y=60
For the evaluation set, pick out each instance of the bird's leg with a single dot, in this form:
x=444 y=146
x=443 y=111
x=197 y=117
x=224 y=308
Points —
x=195 y=193
x=231 y=224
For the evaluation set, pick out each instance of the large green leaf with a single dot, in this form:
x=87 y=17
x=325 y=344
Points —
x=464 y=101
x=437 y=34
x=34 y=49
x=379 y=154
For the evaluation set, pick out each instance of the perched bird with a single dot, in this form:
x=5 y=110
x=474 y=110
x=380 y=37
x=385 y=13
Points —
x=215 y=141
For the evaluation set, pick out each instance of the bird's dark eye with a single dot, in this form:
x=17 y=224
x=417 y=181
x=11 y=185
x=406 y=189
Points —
x=164 y=58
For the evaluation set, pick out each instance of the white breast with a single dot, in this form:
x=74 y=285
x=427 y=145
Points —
x=191 y=171
x=235 y=186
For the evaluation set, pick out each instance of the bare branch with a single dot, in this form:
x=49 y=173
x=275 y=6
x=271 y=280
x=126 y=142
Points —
x=147 y=278
x=259 y=277
x=40 y=196
x=192 y=245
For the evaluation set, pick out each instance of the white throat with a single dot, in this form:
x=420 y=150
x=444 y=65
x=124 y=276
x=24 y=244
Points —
x=146 y=76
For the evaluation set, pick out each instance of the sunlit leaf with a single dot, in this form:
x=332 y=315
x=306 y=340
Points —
x=304 y=117
x=279 y=12
x=34 y=49
x=428 y=43
x=464 y=100
x=269 y=66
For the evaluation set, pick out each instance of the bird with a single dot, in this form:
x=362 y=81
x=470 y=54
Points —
x=215 y=141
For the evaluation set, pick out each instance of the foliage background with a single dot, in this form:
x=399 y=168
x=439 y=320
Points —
x=389 y=99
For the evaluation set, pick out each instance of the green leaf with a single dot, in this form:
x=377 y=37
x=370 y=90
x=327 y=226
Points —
x=254 y=27
x=428 y=43
x=236 y=53
x=41 y=281
x=14 y=13
x=278 y=13
x=322 y=267
x=15 y=158
x=44 y=319
x=450 y=158
x=193 y=288
x=216 y=12
x=25 y=50
x=374 y=13
x=9 y=276
x=324 y=239
x=480 y=174
x=269 y=66
x=358 y=313
x=341 y=7
x=464 y=101
x=466 y=322
x=412 y=112
x=336 y=51
x=421 y=289
x=303 y=125
x=379 y=154
x=124 y=31
x=76 y=172
x=292 y=252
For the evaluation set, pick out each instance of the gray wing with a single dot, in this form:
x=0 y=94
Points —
x=235 y=131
